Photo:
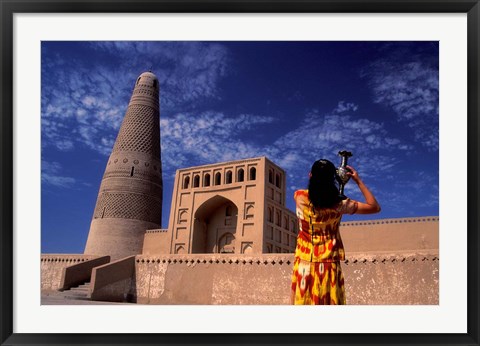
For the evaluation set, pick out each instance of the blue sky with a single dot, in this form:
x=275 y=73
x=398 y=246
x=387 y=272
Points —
x=294 y=102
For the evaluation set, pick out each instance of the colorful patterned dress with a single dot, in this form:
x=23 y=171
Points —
x=317 y=276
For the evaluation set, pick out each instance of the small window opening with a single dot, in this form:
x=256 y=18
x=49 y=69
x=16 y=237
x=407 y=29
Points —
x=196 y=181
x=277 y=180
x=131 y=172
x=217 y=178
x=253 y=173
x=240 y=175
x=186 y=182
x=206 y=181
x=228 y=178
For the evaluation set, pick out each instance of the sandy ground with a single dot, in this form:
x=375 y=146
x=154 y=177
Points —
x=57 y=298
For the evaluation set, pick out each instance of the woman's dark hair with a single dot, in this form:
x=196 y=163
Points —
x=322 y=186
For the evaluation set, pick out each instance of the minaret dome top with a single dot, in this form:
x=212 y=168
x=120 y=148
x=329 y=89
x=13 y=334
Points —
x=147 y=78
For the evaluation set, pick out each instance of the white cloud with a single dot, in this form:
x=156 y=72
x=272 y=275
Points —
x=208 y=137
x=411 y=89
x=64 y=145
x=95 y=97
x=407 y=82
x=58 y=181
x=345 y=107
x=51 y=175
x=330 y=133
x=187 y=71
x=89 y=101
x=89 y=107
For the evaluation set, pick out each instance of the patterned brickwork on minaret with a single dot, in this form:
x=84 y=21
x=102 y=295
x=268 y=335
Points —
x=130 y=196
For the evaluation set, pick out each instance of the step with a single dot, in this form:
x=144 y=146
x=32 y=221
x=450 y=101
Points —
x=80 y=292
x=75 y=295
x=79 y=289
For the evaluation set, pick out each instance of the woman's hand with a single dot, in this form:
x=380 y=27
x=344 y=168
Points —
x=352 y=173
x=370 y=206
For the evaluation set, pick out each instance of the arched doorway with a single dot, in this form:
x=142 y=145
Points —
x=215 y=226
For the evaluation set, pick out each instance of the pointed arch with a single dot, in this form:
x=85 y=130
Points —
x=215 y=218
x=277 y=180
x=196 y=181
x=218 y=178
x=253 y=173
x=206 y=180
x=186 y=182
x=240 y=175
x=228 y=177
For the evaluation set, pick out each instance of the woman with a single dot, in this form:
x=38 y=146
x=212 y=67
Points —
x=317 y=277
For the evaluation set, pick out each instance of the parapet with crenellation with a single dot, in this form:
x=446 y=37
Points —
x=390 y=221
x=159 y=230
x=391 y=235
x=376 y=279
x=52 y=267
x=156 y=241
x=66 y=258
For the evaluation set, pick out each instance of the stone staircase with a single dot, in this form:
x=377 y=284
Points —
x=81 y=292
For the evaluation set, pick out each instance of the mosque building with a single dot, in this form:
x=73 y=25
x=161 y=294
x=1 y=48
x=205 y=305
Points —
x=233 y=207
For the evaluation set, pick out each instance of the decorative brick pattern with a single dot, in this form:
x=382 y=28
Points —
x=390 y=221
x=160 y=230
x=140 y=131
x=66 y=258
x=126 y=171
x=128 y=206
x=286 y=259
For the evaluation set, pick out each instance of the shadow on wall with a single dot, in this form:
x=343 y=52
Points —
x=115 y=282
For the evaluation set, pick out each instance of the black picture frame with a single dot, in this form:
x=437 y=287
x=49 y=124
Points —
x=10 y=7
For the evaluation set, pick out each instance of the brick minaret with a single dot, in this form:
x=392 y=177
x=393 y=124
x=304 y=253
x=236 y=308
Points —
x=130 y=196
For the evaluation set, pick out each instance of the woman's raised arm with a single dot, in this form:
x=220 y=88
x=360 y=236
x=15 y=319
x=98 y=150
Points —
x=370 y=206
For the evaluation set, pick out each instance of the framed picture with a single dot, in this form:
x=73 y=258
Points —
x=38 y=38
